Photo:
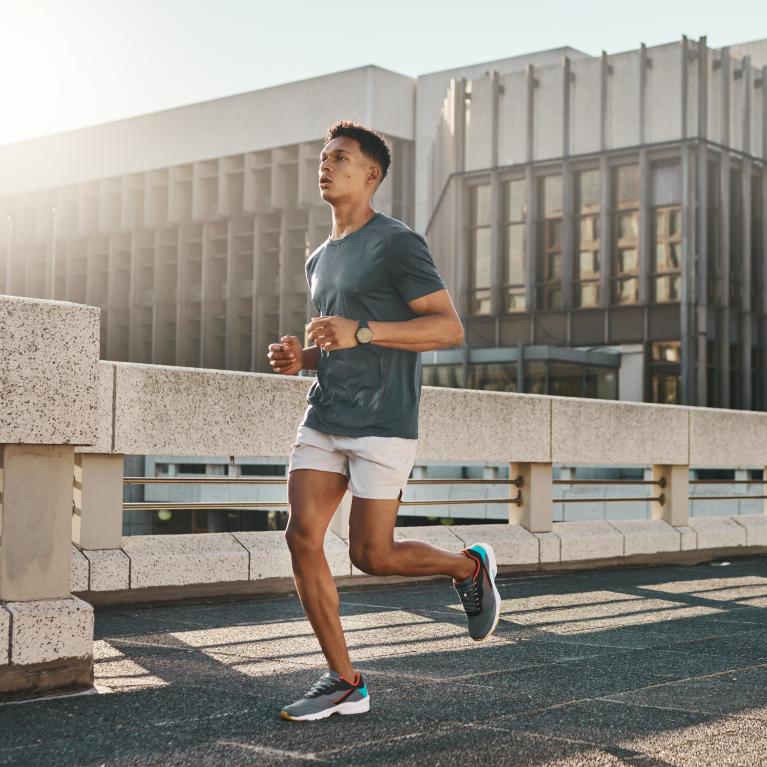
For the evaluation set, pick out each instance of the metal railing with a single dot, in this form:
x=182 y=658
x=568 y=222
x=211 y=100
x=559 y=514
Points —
x=215 y=505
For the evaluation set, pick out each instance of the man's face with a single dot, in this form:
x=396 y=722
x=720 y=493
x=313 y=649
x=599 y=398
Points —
x=345 y=174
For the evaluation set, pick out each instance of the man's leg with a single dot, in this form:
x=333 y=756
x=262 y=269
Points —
x=313 y=497
x=373 y=550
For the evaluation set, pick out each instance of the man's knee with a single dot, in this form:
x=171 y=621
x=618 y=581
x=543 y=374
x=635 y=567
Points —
x=302 y=541
x=373 y=561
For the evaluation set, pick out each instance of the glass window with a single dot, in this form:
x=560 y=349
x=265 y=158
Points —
x=549 y=245
x=442 y=375
x=565 y=379
x=665 y=372
x=515 y=213
x=493 y=376
x=599 y=382
x=480 y=258
x=625 y=219
x=586 y=288
x=535 y=378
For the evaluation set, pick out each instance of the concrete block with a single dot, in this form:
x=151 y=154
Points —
x=689 y=537
x=715 y=532
x=50 y=351
x=270 y=556
x=110 y=569
x=513 y=545
x=756 y=528
x=647 y=536
x=36 y=487
x=588 y=540
x=79 y=570
x=178 y=560
x=549 y=547
x=50 y=629
x=617 y=433
x=102 y=443
x=168 y=410
x=727 y=438
x=483 y=426
x=5 y=635
x=97 y=521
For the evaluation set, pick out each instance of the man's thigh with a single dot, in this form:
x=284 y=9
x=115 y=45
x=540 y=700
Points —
x=313 y=497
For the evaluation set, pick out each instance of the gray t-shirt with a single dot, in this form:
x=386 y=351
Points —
x=370 y=274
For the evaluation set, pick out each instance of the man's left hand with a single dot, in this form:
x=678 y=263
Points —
x=332 y=333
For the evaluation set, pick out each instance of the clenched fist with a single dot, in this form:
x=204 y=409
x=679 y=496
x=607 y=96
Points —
x=286 y=357
x=332 y=333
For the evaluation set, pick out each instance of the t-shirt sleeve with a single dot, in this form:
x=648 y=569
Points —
x=411 y=266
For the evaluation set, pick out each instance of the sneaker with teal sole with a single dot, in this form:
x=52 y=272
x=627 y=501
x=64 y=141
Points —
x=330 y=694
x=478 y=593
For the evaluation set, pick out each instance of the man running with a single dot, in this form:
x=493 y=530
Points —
x=381 y=302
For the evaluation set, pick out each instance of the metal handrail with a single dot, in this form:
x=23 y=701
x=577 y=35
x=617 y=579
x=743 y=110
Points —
x=661 y=499
x=178 y=506
x=517 y=482
x=661 y=482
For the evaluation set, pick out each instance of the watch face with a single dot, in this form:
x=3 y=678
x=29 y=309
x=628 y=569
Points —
x=364 y=335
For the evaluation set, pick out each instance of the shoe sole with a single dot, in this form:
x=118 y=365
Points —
x=493 y=569
x=345 y=709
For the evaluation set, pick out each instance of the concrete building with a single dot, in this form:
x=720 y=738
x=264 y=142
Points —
x=600 y=222
x=603 y=204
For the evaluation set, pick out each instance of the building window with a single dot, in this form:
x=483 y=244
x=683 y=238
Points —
x=625 y=219
x=480 y=281
x=263 y=469
x=665 y=273
x=587 y=189
x=549 y=243
x=514 y=262
x=442 y=375
x=493 y=376
x=665 y=378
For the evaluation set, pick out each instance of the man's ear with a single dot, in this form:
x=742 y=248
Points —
x=375 y=174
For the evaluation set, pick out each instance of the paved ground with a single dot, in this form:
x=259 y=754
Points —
x=644 y=666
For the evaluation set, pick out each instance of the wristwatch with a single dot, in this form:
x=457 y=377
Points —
x=364 y=333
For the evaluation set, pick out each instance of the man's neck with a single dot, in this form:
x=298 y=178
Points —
x=348 y=219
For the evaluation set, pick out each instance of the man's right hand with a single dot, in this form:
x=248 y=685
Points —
x=286 y=357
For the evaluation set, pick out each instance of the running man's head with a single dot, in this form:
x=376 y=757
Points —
x=355 y=160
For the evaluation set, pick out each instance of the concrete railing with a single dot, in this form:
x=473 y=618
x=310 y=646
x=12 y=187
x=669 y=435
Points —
x=68 y=415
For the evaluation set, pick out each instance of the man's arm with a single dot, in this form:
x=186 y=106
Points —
x=438 y=326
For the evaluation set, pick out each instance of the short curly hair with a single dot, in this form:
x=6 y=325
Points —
x=372 y=144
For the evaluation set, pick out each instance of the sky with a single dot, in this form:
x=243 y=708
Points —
x=65 y=64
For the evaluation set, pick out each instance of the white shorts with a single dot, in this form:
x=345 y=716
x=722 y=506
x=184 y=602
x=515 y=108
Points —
x=377 y=467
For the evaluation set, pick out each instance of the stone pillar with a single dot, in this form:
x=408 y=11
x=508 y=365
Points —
x=36 y=482
x=47 y=633
x=675 y=508
x=97 y=515
x=536 y=512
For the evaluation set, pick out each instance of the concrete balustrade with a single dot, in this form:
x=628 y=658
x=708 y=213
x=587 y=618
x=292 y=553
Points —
x=69 y=420
x=48 y=391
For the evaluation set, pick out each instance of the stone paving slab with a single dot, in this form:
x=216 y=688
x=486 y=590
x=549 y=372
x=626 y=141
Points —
x=643 y=666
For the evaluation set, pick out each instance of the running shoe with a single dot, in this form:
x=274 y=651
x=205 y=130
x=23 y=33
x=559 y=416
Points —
x=330 y=694
x=478 y=593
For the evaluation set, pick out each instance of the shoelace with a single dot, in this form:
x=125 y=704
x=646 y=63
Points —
x=322 y=684
x=470 y=599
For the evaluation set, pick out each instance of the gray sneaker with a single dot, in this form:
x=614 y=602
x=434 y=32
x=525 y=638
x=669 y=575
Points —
x=330 y=694
x=478 y=593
